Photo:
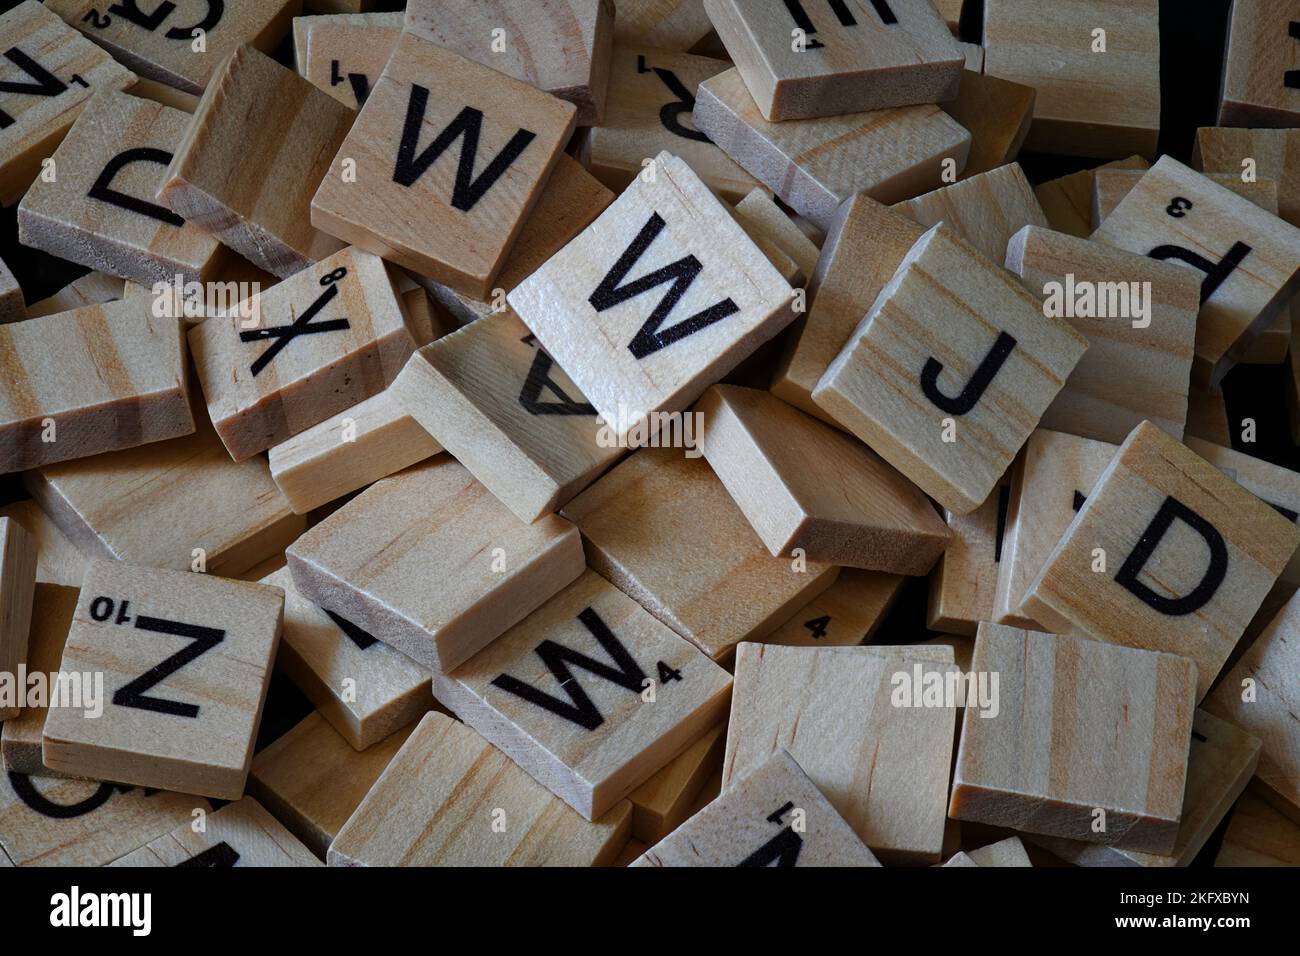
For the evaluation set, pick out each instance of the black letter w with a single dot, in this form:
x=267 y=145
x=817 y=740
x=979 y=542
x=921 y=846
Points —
x=681 y=274
x=582 y=711
x=469 y=123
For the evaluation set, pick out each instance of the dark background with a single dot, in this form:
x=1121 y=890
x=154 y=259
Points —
x=1192 y=45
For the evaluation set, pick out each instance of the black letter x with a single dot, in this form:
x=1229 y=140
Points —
x=284 y=334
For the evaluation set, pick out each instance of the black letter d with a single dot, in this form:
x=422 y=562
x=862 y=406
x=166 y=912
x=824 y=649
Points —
x=1199 y=596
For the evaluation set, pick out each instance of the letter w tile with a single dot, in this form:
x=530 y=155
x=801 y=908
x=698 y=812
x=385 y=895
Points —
x=682 y=274
x=469 y=124
x=579 y=708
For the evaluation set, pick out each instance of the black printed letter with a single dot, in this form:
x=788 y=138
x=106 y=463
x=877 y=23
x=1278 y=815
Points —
x=132 y=694
x=970 y=395
x=469 y=123
x=582 y=711
x=1200 y=595
x=681 y=274
x=1215 y=274
x=103 y=191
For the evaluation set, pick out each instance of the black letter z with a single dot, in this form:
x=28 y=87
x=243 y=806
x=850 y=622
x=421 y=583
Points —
x=132 y=694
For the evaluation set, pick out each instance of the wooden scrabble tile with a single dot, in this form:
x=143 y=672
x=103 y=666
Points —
x=815 y=165
x=985 y=210
x=1008 y=852
x=666 y=799
x=343 y=54
x=260 y=143
x=885 y=385
x=1051 y=480
x=1139 y=316
x=13 y=308
x=964 y=582
x=455 y=227
x=92 y=380
x=974 y=54
x=231 y=291
x=20 y=737
x=1273 y=153
x=1207 y=415
x=371 y=440
x=372 y=560
x=1277 y=487
x=312 y=780
x=262 y=387
x=1110 y=186
x=363 y=687
x=845 y=614
x=177 y=504
x=661 y=24
x=561 y=47
x=884 y=768
x=164 y=94
x=17 y=587
x=1259 y=696
x=50 y=74
x=570 y=201
x=100 y=210
x=775 y=816
x=630 y=853
x=1219 y=765
x=1090 y=103
x=712 y=790
x=962 y=646
x=427 y=319
x=239 y=834
x=163 y=46
x=1192 y=594
x=761 y=217
x=58 y=560
x=784 y=264
x=802 y=63
x=951 y=11
x=669 y=237
x=863 y=249
x=1259 y=835
x=997 y=113
x=663 y=529
x=1247 y=259
x=1067 y=201
x=808 y=228
x=849 y=508
x=193 y=732
x=589 y=739
x=1270 y=346
x=449 y=798
x=45 y=822
x=1081 y=727
x=650 y=106
x=94 y=288
x=1260 y=85
x=497 y=401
